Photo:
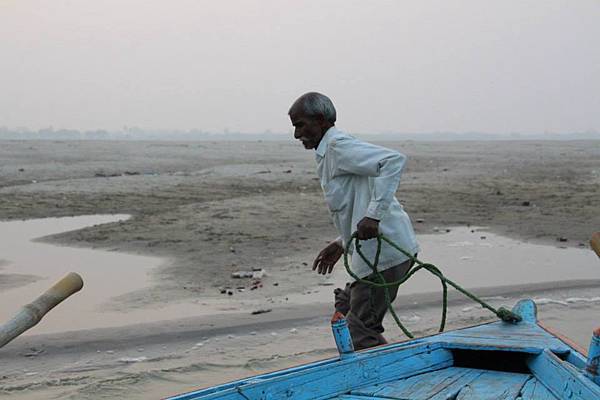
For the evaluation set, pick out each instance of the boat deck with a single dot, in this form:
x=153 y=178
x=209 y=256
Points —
x=456 y=383
x=491 y=361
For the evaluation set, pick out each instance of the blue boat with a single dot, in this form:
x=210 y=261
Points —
x=497 y=360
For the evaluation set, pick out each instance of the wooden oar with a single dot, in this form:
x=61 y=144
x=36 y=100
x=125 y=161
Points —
x=33 y=312
x=595 y=242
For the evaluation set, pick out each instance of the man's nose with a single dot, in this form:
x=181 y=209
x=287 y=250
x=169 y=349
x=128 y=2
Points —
x=297 y=133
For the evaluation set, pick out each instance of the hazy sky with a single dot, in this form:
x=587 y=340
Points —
x=407 y=66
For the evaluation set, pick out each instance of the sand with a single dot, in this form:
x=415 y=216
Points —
x=213 y=208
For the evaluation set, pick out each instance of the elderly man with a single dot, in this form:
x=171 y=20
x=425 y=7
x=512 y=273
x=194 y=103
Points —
x=359 y=181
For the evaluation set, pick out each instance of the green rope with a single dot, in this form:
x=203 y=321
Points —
x=502 y=313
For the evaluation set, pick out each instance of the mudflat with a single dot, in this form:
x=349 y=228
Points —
x=215 y=208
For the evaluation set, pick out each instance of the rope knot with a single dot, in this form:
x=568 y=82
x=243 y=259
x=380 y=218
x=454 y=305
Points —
x=508 y=316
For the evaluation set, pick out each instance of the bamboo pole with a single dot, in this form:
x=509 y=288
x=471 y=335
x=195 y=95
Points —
x=33 y=312
x=595 y=242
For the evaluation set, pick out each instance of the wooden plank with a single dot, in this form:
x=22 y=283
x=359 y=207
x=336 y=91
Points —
x=344 y=376
x=451 y=390
x=523 y=337
x=228 y=394
x=494 y=385
x=418 y=387
x=223 y=388
x=535 y=390
x=505 y=331
x=409 y=386
x=561 y=378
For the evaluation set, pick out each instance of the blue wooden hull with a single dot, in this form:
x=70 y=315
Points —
x=490 y=361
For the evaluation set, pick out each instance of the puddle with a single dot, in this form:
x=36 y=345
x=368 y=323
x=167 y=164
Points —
x=474 y=258
x=105 y=274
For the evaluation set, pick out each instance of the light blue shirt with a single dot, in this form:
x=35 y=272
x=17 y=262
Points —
x=360 y=180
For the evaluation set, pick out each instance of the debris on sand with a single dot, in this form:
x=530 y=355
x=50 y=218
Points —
x=129 y=360
x=241 y=274
x=261 y=311
x=104 y=175
x=34 y=352
x=255 y=273
x=257 y=283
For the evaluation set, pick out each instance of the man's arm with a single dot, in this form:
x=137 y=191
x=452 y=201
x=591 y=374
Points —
x=384 y=165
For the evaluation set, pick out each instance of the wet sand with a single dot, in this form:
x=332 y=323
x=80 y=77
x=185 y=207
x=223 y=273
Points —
x=214 y=208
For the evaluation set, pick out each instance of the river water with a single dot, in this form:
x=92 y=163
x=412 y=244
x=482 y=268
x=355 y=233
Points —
x=106 y=274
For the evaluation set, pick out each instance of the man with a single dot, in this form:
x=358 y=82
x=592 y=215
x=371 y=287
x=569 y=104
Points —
x=359 y=181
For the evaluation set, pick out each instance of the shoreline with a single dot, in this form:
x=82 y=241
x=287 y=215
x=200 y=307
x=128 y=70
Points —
x=279 y=317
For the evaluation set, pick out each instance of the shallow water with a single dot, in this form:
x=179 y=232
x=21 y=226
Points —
x=475 y=258
x=105 y=273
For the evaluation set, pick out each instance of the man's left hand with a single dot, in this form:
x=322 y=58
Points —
x=367 y=228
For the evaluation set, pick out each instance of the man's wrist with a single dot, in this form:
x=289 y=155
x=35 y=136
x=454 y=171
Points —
x=376 y=210
x=373 y=219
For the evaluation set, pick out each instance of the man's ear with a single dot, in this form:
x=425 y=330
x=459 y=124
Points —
x=323 y=123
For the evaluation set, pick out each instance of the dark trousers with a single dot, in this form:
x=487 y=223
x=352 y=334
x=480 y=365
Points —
x=364 y=306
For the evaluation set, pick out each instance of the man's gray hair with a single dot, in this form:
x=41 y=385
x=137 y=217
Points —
x=313 y=104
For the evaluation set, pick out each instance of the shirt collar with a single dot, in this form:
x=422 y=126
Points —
x=324 y=143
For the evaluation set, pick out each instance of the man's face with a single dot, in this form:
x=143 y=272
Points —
x=308 y=130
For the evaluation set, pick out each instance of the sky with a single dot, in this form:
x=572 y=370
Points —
x=389 y=66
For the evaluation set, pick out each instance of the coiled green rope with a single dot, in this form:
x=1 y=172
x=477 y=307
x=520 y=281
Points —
x=503 y=313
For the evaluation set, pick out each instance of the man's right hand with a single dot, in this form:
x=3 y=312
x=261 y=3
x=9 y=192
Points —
x=327 y=258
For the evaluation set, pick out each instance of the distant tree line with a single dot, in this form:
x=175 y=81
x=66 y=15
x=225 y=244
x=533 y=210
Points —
x=134 y=133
